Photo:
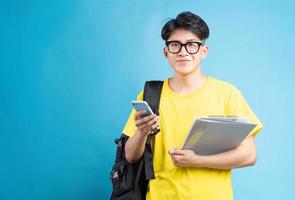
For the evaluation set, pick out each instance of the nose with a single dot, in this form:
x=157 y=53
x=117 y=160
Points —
x=183 y=51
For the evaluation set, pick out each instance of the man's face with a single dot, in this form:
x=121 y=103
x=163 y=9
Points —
x=185 y=63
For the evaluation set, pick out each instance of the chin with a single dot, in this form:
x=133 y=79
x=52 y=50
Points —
x=184 y=70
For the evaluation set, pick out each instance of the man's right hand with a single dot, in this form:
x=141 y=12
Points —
x=146 y=124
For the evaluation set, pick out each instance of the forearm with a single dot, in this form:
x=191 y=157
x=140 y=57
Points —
x=134 y=146
x=242 y=156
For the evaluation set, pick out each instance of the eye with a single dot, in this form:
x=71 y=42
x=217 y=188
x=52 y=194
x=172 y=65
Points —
x=192 y=44
x=174 y=44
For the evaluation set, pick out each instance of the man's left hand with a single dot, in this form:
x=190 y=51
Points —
x=184 y=158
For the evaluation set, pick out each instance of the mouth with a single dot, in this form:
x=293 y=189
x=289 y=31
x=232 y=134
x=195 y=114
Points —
x=181 y=61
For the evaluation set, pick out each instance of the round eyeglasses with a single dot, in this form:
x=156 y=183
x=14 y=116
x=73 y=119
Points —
x=190 y=47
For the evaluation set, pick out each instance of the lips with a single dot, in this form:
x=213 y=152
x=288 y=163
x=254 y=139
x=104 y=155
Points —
x=182 y=60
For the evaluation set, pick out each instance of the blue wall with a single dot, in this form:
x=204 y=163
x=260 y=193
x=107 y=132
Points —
x=69 y=69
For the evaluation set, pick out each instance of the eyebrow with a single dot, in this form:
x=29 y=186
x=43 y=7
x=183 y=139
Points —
x=193 y=40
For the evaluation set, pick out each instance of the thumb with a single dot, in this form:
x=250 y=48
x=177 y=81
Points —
x=171 y=151
x=177 y=151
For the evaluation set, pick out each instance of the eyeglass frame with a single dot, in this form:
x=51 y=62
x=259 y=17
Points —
x=181 y=45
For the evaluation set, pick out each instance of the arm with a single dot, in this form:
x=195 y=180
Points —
x=242 y=156
x=135 y=145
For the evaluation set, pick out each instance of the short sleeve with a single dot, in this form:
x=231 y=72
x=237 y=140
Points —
x=237 y=106
x=130 y=127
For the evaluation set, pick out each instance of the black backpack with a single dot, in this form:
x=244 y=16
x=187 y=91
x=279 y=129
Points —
x=130 y=181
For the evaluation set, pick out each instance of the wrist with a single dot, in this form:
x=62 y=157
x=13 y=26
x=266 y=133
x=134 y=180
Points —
x=141 y=134
x=199 y=161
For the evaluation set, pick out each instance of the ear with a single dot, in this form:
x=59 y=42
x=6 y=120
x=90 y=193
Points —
x=204 y=51
x=165 y=52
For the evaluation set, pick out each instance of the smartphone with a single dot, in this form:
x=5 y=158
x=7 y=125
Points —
x=142 y=105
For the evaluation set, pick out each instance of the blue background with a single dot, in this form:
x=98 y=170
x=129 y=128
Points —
x=69 y=69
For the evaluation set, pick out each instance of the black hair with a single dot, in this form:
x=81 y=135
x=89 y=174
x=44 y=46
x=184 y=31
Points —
x=187 y=21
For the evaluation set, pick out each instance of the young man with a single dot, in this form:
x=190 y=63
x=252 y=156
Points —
x=182 y=174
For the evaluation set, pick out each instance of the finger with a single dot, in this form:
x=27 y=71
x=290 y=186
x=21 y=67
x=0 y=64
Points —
x=138 y=114
x=178 y=152
x=158 y=122
x=175 y=162
x=152 y=121
x=145 y=127
x=171 y=151
x=141 y=123
x=151 y=125
x=172 y=158
x=154 y=126
x=148 y=126
x=142 y=127
x=148 y=118
x=144 y=120
x=177 y=158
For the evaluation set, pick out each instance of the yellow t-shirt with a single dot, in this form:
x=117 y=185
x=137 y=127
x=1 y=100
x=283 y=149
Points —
x=177 y=113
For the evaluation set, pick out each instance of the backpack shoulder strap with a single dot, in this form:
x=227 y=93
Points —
x=152 y=93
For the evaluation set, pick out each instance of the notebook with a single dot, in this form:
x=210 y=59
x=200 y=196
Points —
x=217 y=134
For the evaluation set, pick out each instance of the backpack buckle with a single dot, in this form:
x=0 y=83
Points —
x=155 y=131
x=115 y=177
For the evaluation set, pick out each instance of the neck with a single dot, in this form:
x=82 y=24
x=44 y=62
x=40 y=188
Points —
x=188 y=83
